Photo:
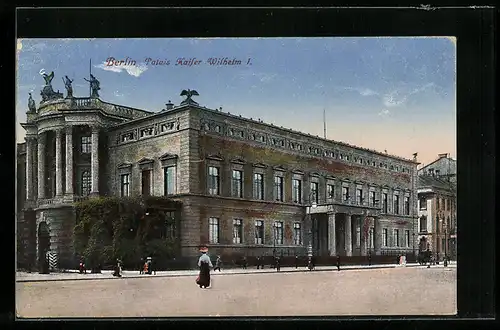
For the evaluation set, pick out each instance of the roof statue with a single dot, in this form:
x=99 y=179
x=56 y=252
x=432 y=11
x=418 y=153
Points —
x=47 y=92
x=69 y=88
x=31 y=104
x=189 y=94
x=95 y=86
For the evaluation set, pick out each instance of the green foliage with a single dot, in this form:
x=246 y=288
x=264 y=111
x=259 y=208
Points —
x=109 y=228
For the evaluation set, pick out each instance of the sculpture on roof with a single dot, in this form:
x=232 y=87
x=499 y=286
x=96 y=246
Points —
x=189 y=94
x=47 y=92
x=69 y=88
x=95 y=86
x=31 y=104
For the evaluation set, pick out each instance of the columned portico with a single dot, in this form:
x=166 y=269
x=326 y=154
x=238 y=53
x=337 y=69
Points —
x=59 y=185
x=30 y=163
x=348 y=235
x=41 y=165
x=69 y=160
x=95 y=161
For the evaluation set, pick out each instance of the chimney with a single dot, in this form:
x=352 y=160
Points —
x=442 y=156
x=169 y=105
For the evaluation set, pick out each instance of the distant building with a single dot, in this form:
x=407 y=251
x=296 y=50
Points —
x=437 y=208
x=246 y=187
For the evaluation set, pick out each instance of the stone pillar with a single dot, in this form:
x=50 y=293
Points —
x=377 y=235
x=30 y=163
x=95 y=161
x=69 y=160
x=41 y=165
x=331 y=234
x=59 y=186
x=348 y=235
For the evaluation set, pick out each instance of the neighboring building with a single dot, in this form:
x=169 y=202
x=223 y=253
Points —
x=437 y=209
x=245 y=186
x=443 y=167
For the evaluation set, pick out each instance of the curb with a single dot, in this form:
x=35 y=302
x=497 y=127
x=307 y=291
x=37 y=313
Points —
x=266 y=271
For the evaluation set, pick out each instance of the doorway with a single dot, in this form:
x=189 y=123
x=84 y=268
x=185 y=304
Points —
x=43 y=244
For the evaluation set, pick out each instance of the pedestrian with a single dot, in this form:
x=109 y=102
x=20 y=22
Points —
x=296 y=261
x=259 y=260
x=141 y=266
x=277 y=261
x=338 y=262
x=82 y=266
x=118 y=269
x=310 y=263
x=205 y=264
x=218 y=263
x=149 y=269
x=369 y=258
x=244 y=262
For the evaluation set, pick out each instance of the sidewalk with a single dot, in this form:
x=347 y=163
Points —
x=73 y=275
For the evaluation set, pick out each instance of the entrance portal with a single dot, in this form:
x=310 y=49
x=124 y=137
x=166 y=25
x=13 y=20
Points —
x=43 y=245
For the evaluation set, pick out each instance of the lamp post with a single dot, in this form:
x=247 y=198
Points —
x=309 y=245
x=274 y=239
x=444 y=223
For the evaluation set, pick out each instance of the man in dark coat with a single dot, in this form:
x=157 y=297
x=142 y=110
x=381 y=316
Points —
x=278 y=266
x=259 y=263
x=338 y=262
x=296 y=262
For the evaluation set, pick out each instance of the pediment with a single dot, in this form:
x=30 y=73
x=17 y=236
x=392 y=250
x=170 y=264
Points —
x=124 y=165
x=297 y=171
x=330 y=177
x=260 y=165
x=315 y=174
x=238 y=161
x=167 y=156
x=145 y=161
x=215 y=157
x=279 y=168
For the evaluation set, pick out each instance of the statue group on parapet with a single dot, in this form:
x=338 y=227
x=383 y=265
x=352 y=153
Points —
x=48 y=92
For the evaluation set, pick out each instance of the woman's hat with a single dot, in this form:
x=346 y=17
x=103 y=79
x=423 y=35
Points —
x=203 y=249
x=149 y=258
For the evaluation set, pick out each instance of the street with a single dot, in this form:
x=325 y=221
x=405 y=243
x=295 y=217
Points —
x=386 y=291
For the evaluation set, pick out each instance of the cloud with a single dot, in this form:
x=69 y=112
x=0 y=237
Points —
x=399 y=97
x=362 y=91
x=133 y=70
x=263 y=77
x=384 y=112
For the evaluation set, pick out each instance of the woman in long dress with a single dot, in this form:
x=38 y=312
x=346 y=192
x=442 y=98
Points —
x=205 y=264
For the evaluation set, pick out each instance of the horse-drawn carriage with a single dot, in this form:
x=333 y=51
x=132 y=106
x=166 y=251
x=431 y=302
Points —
x=424 y=257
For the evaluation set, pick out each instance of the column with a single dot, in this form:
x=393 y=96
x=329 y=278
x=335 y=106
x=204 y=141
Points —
x=377 y=238
x=41 y=165
x=95 y=160
x=331 y=234
x=69 y=160
x=30 y=144
x=59 y=186
x=348 y=235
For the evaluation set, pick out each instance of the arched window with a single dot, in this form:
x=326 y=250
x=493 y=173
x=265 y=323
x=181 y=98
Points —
x=86 y=183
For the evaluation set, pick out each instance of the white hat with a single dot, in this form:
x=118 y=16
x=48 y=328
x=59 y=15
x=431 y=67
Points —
x=149 y=258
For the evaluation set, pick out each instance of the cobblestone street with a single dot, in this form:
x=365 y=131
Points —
x=389 y=291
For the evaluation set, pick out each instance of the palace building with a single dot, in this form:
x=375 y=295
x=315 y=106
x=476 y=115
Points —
x=245 y=186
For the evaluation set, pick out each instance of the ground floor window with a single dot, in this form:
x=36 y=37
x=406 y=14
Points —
x=237 y=231
x=213 y=233
x=259 y=232
x=297 y=234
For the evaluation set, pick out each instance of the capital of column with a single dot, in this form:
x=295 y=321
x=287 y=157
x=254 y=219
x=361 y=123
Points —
x=42 y=137
x=69 y=130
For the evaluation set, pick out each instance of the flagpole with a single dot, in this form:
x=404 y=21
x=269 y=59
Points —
x=90 y=78
x=324 y=123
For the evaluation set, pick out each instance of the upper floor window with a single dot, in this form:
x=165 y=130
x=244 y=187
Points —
x=407 y=205
x=359 y=196
x=86 y=144
x=345 y=194
x=146 y=182
x=396 y=204
x=330 y=192
x=423 y=223
x=372 y=198
x=125 y=185
x=423 y=203
x=237 y=184
x=258 y=186
x=86 y=183
x=213 y=180
x=384 y=203
x=278 y=188
x=314 y=192
x=169 y=180
x=297 y=190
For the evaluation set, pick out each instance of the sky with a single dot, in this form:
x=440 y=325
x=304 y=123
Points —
x=394 y=94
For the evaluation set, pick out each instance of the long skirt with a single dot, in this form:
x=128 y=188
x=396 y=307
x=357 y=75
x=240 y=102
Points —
x=204 y=277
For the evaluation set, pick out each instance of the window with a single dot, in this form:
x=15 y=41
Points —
x=372 y=198
x=169 y=180
x=237 y=184
x=330 y=192
x=258 y=186
x=396 y=204
x=169 y=227
x=237 y=231
x=384 y=236
x=407 y=238
x=359 y=196
x=86 y=144
x=423 y=203
x=407 y=205
x=86 y=183
x=396 y=237
x=297 y=190
x=297 y=234
x=213 y=230
x=314 y=192
x=371 y=237
x=358 y=236
x=384 y=203
x=146 y=182
x=278 y=232
x=259 y=232
x=125 y=185
x=213 y=180
x=437 y=203
x=423 y=223
x=345 y=194
x=278 y=188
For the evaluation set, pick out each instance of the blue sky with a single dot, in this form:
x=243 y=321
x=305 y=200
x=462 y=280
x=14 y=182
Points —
x=394 y=94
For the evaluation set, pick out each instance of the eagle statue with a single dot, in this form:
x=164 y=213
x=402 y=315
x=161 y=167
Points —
x=189 y=94
x=48 y=78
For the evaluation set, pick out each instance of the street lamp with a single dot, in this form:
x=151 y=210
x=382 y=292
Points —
x=445 y=241
x=309 y=245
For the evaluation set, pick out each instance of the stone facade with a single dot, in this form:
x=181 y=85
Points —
x=315 y=192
